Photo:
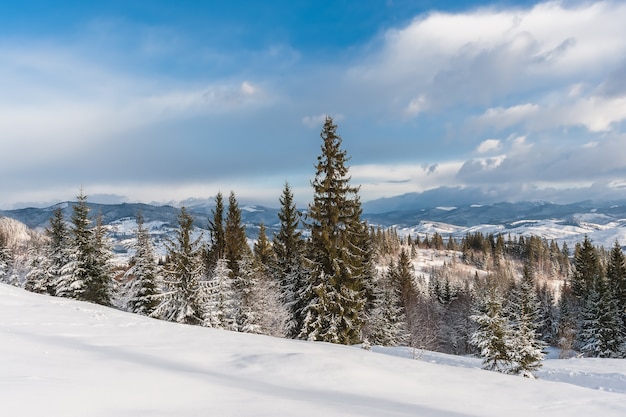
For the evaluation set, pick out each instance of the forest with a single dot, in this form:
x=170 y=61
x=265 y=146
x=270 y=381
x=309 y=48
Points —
x=329 y=276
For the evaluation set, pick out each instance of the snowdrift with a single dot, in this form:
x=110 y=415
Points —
x=65 y=358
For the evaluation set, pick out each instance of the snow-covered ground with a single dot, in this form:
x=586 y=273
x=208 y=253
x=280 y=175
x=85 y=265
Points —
x=65 y=358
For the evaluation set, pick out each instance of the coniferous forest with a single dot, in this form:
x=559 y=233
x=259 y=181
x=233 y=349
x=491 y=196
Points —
x=329 y=276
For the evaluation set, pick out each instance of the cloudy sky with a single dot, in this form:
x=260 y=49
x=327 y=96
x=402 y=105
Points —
x=159 y=101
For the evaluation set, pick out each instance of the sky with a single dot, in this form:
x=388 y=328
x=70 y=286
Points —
x=161 y=101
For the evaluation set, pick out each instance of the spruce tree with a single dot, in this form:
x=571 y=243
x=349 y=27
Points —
x=235 y=241
x=183 y=298
x=289 y=270
x=587 y=269
x=386 y=324
x=59 y=253
x=601 y=329
x=336 y=255
x=527 y=349
x=217 y=246
x=493 y=334
x=98 y=286
x=82 y=253
x=220 y=298
x=616 y=277
x=143 y=274
x=5 y=258
x=263 y=252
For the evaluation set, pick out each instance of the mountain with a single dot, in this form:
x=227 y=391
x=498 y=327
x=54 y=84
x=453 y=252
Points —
x=65 y=358
x=603 y=222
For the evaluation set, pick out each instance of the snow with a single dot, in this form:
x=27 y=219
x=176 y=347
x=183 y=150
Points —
x=60 y=357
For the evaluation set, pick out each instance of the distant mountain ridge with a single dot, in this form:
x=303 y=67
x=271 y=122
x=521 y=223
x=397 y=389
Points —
x=603 y=222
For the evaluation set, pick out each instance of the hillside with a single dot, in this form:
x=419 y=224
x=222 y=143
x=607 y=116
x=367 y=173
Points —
x=66 y=358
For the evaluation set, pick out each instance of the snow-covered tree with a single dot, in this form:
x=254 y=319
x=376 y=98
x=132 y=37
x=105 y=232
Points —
x=334 y=310
x=220 y=299
x=216 y=247
x=288 y=269
x=98 y=286
x=493 y=335
x=142 y=276
x=527 y=349
x=616 y=280
x=386 y=323
x=182 y=299
x=5 y=258
x=601 y=329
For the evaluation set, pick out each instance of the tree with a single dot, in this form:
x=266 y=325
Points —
x=587 y=269
x=89 y=279
x=263 y=252
x=220 y=298
x=527 y=350
x=336 y=256
x=5 y=258
x=182 y=301
x=58 y=253
x=493 y=335
x=601 y=329
x=235 y=241
x=289 y=268
x=386 y=324
x=217 y=245
x=616 y=277
x=98 y=286
x=143 y=274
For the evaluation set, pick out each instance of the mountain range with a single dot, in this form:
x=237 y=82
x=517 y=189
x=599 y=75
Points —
x=603 y=222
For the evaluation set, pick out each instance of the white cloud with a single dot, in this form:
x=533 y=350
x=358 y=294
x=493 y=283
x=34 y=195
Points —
x=501 y=118
x=488 y=146
x=417 y=106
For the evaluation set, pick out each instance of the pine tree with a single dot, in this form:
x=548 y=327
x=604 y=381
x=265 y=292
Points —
x=493 y=335
x=601 y=335
x=386 y=323
x=587 y=269
x=98 y=286
x=524 y=314
x=5 y=258
x=289 y=268
x=217 y=245
x=59 y=255
x=336 y=300
x=235 y=241
x=220 y=298
x=82 y=255
x=263 y=252
x=143 y=274
x=616 y=277
x=183 y=300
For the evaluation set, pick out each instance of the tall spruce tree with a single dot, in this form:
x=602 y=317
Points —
x=587 y=270
x=98 y=288
x=183 y=298
x=143 y=274
x=616 y=277
x=58 y=252
x=289 y=268
x=217 y=244
x=335 y=297
x=89 y=279
x=235 y=241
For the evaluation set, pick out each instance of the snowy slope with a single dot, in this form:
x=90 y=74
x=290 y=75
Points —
x=65 y=358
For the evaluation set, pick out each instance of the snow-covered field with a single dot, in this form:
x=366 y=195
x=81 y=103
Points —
x=64 y=358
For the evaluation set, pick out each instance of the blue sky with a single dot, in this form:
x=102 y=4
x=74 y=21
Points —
x=159 y=101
